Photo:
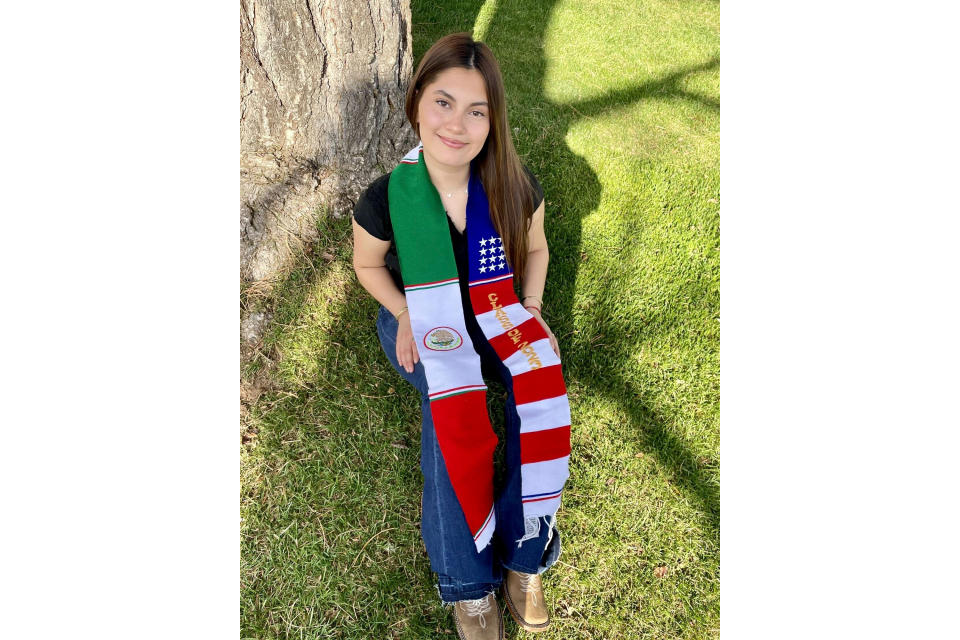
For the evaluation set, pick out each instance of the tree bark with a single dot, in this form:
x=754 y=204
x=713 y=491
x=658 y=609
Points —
x=321 y=115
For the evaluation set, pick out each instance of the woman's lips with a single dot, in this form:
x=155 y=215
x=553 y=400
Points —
x=452 y=143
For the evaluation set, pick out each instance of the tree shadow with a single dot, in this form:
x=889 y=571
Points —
x=601 y=377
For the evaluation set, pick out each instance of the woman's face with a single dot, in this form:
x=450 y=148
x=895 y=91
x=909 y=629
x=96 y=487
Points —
x=453 y=109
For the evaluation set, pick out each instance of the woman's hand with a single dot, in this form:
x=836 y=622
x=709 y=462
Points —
x=553 y=339
x=407 y=354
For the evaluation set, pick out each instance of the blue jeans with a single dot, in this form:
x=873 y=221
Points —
x=518 y=545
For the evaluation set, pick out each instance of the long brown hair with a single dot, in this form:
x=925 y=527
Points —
x=505 y=182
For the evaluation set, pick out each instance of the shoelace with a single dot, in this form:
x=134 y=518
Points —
x=477 y=608
x=530 y=583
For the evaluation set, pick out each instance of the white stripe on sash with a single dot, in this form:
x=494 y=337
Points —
x=413 y=156
x=544 y=414
x=542 y=482
x=520 y=361
x=491 y=325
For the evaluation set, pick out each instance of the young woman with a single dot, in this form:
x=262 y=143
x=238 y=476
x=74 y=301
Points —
x=438 y=242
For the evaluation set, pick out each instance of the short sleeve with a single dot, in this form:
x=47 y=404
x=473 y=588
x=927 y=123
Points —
x=372 y=210
x=538 y=198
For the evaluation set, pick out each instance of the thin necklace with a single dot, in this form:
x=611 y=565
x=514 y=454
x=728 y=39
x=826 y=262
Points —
x=450 y=195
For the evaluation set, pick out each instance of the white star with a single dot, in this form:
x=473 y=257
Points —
x=493 y=239
x=501 y=266
x=483 y=251
x=483 y=241
x=484 y=260
x=482 y=269
x=502 y=258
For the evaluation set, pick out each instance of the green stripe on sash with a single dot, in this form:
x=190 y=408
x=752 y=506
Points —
x=420 y=227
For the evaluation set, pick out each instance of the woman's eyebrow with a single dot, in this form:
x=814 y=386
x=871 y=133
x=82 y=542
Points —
x=452 y=99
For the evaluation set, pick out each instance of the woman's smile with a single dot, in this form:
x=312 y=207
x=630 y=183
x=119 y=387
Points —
x=452 y=143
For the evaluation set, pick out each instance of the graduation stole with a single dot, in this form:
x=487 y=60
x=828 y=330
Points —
x=456 y=388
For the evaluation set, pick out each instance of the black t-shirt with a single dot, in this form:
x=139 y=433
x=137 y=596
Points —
x=372 y=212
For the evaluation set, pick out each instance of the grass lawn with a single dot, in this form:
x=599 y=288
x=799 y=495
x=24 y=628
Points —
x=616 y=109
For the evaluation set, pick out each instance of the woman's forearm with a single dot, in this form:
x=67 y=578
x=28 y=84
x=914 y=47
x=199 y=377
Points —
x=379 y=284
x=535 y=274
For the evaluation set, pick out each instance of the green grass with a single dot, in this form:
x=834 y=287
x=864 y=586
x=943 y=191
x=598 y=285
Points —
x=616 y=109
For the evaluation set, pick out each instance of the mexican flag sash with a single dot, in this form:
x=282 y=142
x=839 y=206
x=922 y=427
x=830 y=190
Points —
x=456 y=388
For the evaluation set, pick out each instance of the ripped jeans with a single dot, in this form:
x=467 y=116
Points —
x=528 y=546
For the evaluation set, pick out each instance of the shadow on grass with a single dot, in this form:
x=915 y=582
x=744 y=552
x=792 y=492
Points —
x=603 y=378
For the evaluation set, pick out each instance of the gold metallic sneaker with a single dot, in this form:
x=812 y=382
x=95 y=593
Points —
x=478 y=619
x=523 y=593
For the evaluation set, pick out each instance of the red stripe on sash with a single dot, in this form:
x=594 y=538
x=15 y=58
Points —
x=507 y=344
x=502 y=294
x=467 y=442
x=539 y=384
x=546 y=444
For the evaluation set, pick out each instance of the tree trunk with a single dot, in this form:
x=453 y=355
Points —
x=321 y=114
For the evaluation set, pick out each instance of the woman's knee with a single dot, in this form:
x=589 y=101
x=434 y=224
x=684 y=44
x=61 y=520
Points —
x=419 y=380
x=387 y=332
